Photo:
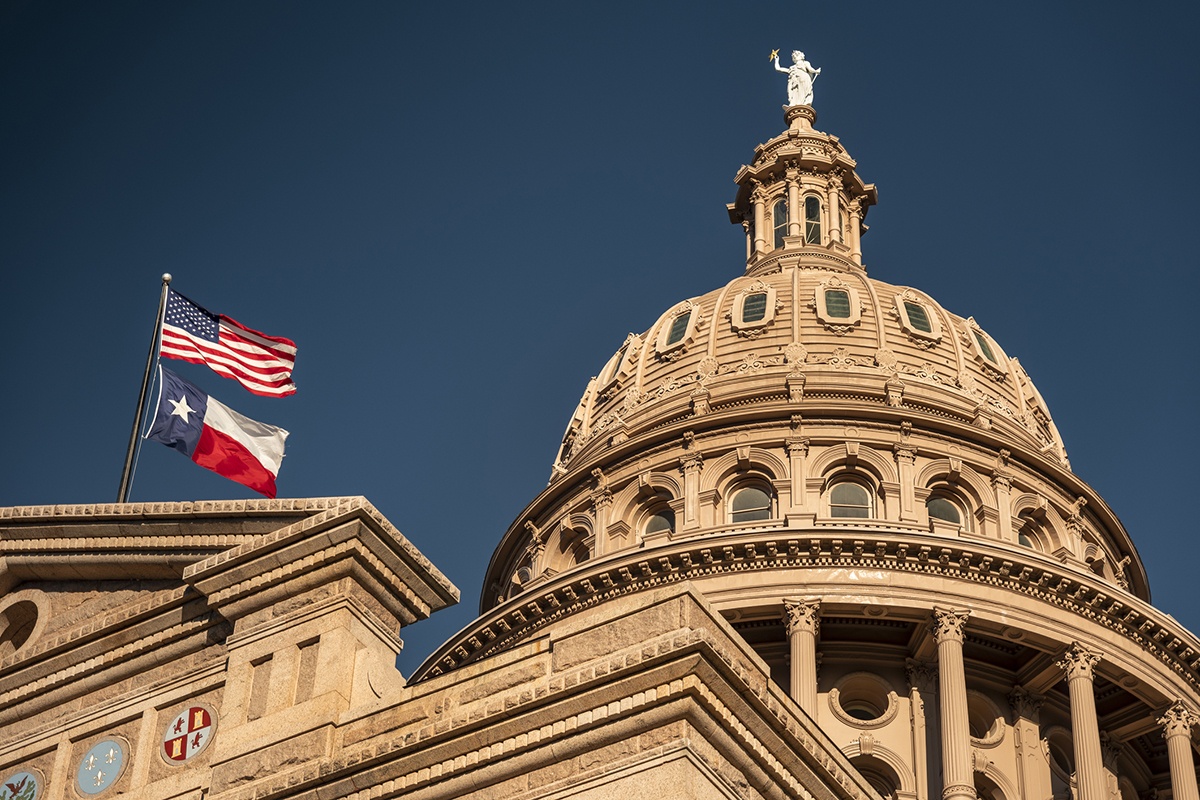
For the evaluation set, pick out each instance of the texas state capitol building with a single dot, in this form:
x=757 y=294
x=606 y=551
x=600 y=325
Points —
x=810 y=535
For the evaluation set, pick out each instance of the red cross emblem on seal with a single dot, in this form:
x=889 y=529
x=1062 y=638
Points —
x=188 y=733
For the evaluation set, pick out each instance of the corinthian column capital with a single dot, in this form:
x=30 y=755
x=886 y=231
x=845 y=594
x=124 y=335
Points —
x=1078 y=662
x=801 y=615
x=948 y=624
x=1177 y=721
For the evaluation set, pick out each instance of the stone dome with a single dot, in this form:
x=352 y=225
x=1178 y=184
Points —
x=873 y=495
x=812 y=330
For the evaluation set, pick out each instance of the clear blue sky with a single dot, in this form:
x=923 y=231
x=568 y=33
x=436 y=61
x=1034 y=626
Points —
x=458 y=210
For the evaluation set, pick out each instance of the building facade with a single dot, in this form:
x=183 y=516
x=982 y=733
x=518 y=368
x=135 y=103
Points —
x=811 y=535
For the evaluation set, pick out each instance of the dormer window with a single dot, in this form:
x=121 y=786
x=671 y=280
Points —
x=780 y=221
x=678 y=328
x=984 y=347
x=918 y=318
x=677 y=331
x=750 y=504
x=837 y=304
x=753 y=309
x=812 y=220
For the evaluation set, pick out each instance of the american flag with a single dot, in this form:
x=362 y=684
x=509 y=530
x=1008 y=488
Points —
x=261 y=363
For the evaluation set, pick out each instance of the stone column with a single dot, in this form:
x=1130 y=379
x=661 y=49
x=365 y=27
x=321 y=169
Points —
x=956 y=731
x=1033 y=772
x=800 y=619
x=1177 y=726
x=797 y=448
x=795 y=213
x=856 y=217
x=690 y=464
x=1002 y=485
x=1078 y=663
x=759 y=200
x=922 y=685
x=906 y=459
x=835 y=222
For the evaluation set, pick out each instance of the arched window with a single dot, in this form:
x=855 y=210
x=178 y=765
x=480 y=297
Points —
x=749 y=504
x=660 y=522
x=780 y=221
x=812 y=220
x=918 y=317
x=849 y=499
x=944 y=509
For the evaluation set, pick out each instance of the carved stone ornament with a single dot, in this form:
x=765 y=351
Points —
x=1025 y=704
x=795 y=354
x=894 y=392
x=709 y=366
x=948 y=624
x=922 y=675
x=801 y=615
x=841 y=359
x=1078 y=662
x=1177 y=721
x=885 y=359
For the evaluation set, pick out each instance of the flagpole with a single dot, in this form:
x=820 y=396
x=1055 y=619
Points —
x=127 y=474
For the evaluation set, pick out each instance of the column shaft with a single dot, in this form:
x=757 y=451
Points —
x=801 y=618
x=1177 y=730
x=1078 y=663
x=956 y=731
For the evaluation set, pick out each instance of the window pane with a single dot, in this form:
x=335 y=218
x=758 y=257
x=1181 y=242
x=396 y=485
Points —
x=779 y=217
x=751 y=504
x=943 y=509
x=983 y=347
x=754 y=307
x=662 y=521
x=849 y=500
x=678 y=328
x=917 y=317
x=812 y=220
x=837 y=304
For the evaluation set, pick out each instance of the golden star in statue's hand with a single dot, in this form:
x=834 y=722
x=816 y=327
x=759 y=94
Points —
x=774 y=55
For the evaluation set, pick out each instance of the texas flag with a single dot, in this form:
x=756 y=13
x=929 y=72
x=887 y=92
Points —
x=215 y=436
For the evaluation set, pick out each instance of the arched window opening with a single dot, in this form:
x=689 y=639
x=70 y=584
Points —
x=679 y=328
x=987 y=789
x=780 y=221
x=660 y=522
x=881 y=777
x=981 y=715
x=943 y=509
x=851 y=500
x=754 y=307
x=749 y=504
x=812 y=220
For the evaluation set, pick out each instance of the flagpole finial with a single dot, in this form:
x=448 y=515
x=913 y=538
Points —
x=166 y=278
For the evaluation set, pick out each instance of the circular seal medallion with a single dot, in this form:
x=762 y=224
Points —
x=188 y=733
x=21 y=786
x=100 y=767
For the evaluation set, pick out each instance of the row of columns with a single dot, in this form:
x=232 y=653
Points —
x=831 y=214
x=802 y=620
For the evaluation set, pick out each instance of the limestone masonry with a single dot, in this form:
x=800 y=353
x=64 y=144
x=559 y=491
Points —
x=811 y=535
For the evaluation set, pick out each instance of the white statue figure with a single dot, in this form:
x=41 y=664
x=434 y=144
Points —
x=801 y=75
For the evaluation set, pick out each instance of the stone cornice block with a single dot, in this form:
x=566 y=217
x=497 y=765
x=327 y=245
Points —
x=350 y=539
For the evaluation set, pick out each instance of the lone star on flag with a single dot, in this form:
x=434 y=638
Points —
x=181 y=408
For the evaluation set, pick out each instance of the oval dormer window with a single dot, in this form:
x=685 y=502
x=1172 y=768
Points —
x=984 y=347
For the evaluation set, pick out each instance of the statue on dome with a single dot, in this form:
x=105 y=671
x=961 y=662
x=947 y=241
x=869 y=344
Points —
x=801 y=75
